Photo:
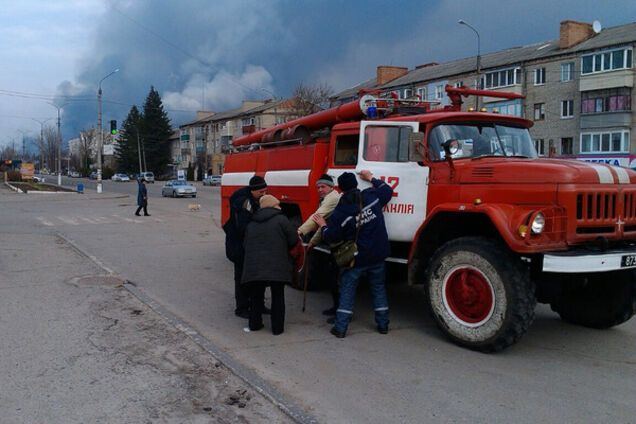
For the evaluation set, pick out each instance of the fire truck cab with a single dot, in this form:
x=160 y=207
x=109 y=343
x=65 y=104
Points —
x=486 y=226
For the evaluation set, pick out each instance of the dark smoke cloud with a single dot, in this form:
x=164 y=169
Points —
x=212 y=54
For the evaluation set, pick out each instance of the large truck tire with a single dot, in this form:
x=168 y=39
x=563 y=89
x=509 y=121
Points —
x=598 y=301
x=480 y=294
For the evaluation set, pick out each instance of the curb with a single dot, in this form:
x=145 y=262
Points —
x=257 y=383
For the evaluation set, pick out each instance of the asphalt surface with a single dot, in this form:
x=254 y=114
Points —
x=556 y=373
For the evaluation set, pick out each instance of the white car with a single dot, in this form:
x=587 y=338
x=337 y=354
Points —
x=74 y=174
x=212 y=180
x=120 y=177
x=178 y=188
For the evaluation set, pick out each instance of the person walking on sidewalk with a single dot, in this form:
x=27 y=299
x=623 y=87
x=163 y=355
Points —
x=244 y=202
x=360 y=213
x=142 y=198
x=268 y=238
x=329 y=198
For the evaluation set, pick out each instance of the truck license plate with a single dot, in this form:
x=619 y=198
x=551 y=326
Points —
x=628 y=261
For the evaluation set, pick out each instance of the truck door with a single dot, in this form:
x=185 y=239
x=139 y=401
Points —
x=384 y=150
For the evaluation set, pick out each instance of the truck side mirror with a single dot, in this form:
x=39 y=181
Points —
x=416 y=146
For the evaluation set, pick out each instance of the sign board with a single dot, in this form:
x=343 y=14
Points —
x=181 y=174
x=607 y=160
x=27 y=170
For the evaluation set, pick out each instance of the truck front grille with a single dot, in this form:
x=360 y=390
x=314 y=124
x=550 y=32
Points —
x=607 y=213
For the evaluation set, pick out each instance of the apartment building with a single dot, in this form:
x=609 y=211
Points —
x=577 y=88
x=204 y=141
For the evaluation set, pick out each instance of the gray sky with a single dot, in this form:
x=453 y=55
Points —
x=212 y=54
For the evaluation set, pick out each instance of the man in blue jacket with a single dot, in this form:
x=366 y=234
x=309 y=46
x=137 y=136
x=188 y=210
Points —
x=372 y=242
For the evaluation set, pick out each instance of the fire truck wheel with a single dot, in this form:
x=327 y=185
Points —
x=599 y=301
x=480 y=294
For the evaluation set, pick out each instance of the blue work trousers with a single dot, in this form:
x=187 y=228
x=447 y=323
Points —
x=349 y=280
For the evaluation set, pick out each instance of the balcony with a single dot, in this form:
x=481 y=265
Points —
x=248 y=129
x=609 y=79
x=605 y=119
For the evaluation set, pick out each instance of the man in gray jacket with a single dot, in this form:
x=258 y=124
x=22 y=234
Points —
x=268 y=238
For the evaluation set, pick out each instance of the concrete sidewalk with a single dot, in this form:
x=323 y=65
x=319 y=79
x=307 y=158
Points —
x=79 y=348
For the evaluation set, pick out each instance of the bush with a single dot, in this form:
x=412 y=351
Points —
x=107 y=173
x=14 y=176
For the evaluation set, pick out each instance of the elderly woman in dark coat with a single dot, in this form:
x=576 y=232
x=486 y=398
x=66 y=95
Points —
x=268 y=238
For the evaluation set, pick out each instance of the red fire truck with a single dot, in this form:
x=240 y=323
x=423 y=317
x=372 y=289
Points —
x=484 y=224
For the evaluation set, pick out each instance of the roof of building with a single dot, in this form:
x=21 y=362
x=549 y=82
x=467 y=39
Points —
x=237 y=112
x=612 y=36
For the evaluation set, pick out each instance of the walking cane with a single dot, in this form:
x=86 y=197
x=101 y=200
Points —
x=306 y=276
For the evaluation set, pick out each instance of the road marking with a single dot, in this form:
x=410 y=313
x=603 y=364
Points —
x=45 y=222
x=70 y=221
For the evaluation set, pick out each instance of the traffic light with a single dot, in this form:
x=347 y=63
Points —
x=113 y=127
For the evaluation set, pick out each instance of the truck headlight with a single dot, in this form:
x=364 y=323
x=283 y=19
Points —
x=538 y=223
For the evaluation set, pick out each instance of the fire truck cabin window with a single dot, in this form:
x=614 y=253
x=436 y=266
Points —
x=386 y=144
x=477 y=140
x=346 y=150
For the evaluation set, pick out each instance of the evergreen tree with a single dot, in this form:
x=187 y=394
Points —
x=155 y=131
x=126 y=151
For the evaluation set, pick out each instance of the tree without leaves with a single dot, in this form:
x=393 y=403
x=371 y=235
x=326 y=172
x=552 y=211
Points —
x=308 y=99
x=88 y=144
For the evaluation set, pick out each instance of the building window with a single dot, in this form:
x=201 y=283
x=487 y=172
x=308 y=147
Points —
x=606 y=61
x=605 y=142
x=612 y=100
x=567 y=146
x=504 y=78
x=567 y=109
x=539 y=76
x=458 y=84
x=567 y=71
x=421 y=92
x=539 y=144
x=539 y=111
x=439 y=91
x=406 y=93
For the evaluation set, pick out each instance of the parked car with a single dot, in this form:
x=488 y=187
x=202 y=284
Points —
x=120 y=177
x=149 y=177
x=177 y=188
x=92 y=176
x=37 y=179
x=212 y=180
x=74 y=174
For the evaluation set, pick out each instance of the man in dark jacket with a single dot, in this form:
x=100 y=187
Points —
x=243 y=204
x=268 y=238
x=142 y=198
x=372 y=241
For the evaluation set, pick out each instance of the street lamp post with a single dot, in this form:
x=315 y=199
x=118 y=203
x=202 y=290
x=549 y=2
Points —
x=463 y=22
x=101 y=134
x=59 y=144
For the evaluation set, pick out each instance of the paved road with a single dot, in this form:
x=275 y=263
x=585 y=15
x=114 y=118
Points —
x=557 y=373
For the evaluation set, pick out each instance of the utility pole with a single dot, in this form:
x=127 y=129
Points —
x=101 y=133
x=59 y=144
x=138 y=149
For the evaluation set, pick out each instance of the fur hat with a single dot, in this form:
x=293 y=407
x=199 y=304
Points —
x=347 y=181
x=257 y=183
x=325 y=179
x=269 y=201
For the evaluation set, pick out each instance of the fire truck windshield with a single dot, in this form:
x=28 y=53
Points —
x=479 y=140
